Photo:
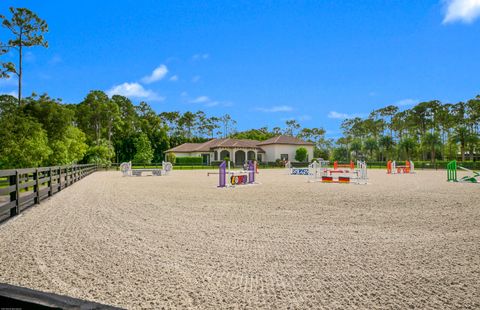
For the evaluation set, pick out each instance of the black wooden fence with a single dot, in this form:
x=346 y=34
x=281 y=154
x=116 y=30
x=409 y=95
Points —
x=23 y=188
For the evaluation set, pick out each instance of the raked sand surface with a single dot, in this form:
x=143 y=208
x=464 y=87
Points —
x=404 y=241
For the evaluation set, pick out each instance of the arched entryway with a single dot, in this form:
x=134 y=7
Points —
x=240 y=157
x=224 y=154
x=251 y=155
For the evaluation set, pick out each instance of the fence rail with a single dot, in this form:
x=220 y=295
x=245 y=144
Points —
x=23 y=188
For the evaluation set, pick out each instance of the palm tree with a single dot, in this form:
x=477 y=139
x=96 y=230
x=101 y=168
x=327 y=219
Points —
x=370 y=146
x=432 y=141
x=407 y=145
x=356 y=147
x=386 y=143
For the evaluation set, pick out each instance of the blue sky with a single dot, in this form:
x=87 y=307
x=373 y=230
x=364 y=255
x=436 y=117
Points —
x=261 y=61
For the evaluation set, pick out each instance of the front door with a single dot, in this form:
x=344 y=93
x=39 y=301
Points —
x=240 y=158
x=206 y=159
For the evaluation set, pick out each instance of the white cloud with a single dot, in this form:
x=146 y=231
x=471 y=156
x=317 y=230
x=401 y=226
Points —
x=174 y=78
x=406 y=102
x=200 y=99
x=200 y=56
x=338 y=115
x=274 y=109
x=207 y=101
x=157 y=74
x=12 y=80
x=56 y=59
x=300 y=118
x=196 y=78
x=134 y=90
x=304 y=117
x=13 y=93
x=212 y=104
x=461 y=10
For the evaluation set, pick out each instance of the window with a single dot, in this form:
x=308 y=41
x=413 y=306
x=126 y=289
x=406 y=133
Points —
x=284 y=156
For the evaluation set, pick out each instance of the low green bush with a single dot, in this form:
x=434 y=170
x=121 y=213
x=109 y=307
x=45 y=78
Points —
x=189 y=160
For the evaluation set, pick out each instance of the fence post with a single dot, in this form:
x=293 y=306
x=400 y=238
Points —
x=14 y=195
x=36 y=187
x=50 y=182
x=59 y=178
x=66 y=176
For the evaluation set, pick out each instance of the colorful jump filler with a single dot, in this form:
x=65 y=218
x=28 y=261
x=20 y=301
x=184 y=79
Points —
x=228 y=178
x=127 y=170
x=336 y=165
x=392 y=167
x=341 y=173
x=302 y=170
x=452 y=174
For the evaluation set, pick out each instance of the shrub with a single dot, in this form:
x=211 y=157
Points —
x=301 y=154
x=191 y=160
x=171 y=158
x=144 y=154
x=100 y=154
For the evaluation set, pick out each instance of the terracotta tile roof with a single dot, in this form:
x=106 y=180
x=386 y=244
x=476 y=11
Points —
x=235 y=143
x=285 y=140
x=185 y=148
x=214 y=144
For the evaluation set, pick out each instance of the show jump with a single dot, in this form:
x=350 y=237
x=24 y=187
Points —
x=393 y=168
x=341 y=173
x=452 y=167
x=127 y=170
x=232 y=178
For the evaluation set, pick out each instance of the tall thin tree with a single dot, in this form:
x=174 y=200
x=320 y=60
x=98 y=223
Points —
x=27 y=30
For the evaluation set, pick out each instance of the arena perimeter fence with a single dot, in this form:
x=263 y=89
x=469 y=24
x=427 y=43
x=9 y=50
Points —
x=23 y=188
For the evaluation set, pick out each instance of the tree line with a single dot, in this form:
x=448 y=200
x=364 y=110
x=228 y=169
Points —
x=46 y=131
x=429 y=131
x=43 y=131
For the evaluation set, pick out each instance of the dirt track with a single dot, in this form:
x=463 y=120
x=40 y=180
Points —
x=179 y=242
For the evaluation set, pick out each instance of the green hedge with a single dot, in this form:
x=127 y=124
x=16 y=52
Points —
x=439 y=164
x=189 y=160
x=299 y=165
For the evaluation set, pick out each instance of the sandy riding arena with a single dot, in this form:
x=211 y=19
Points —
x=402 y=241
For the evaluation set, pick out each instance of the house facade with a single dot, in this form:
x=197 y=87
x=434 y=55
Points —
x=241 y=150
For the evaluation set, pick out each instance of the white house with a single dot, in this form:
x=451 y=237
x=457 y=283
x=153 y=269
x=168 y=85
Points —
x=241 y=150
